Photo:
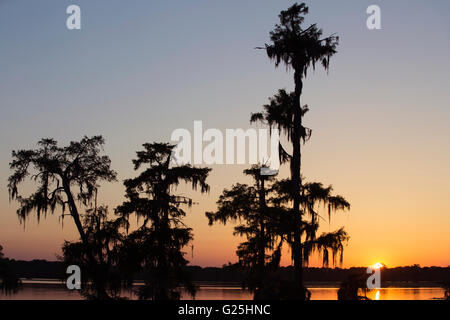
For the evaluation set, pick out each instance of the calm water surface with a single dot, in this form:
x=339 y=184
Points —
x=54 y=290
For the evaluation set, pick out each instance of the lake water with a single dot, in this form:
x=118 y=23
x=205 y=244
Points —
x=55 y=290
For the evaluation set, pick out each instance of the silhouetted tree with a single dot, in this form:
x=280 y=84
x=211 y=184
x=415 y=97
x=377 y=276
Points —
x=247 y=204
x=313 y=196
x=156 y=247
x=267 y=221
x=9 y=282
x=328 y=244
x=63 y=174
x=99 y=259
x=67 y=178
x=298 y=48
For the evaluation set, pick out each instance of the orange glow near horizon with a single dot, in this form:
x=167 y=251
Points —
x=216 y=245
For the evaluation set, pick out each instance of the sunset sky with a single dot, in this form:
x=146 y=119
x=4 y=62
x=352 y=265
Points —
x=137 y=70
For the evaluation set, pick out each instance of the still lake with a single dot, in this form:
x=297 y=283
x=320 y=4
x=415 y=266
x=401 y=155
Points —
x=55 y=290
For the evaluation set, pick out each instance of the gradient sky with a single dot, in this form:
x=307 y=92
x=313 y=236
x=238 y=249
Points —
x=137 y=70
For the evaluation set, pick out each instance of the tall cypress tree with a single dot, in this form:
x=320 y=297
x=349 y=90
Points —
x=156 y=247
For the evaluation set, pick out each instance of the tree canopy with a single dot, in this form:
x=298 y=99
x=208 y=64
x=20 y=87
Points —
x=156 y=247
x=63 y=176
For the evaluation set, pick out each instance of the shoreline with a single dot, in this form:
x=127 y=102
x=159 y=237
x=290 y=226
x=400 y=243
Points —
x=237 y=285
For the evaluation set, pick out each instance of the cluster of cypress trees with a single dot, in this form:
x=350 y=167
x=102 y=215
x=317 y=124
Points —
x=272 y=213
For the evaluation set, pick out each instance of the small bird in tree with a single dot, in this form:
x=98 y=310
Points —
x=155 y=248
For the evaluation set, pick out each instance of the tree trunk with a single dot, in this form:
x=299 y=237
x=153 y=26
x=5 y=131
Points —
x=74 y=211
x=259 y=294
x=164 y=243
x=98 y=281
x=296 y=185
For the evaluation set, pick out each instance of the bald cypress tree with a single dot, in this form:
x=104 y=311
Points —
x=156 y=247
x=247 y=204
x=66 y=178
x=300 y=48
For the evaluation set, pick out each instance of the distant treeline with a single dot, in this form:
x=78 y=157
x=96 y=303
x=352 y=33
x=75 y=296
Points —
x=236 y=274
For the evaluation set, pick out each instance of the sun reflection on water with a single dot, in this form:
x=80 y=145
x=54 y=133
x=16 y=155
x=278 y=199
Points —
x=377 y=295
